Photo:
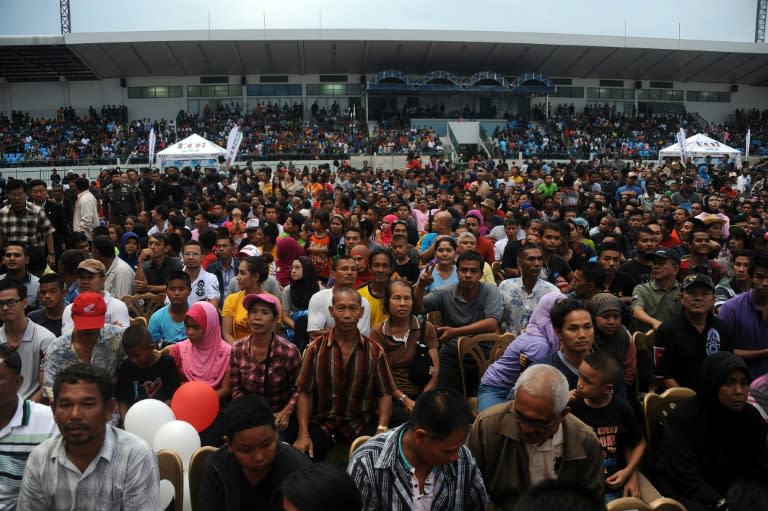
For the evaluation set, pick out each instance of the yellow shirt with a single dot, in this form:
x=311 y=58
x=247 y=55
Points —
x=377 y=305
x=233 y=308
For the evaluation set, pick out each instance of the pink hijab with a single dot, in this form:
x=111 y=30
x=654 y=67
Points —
x=207 y=361
x=477 y=214
x=288 y=250
x=386 y=234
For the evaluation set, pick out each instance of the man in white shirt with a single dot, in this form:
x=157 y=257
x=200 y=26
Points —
x=205 y=286
x=120 y=275
x=344 y=274
x=86 y=213
x=91 y=275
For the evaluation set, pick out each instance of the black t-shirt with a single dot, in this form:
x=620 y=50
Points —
x=557 y=267
x=615 y=425
x=509 y=257
x=622 y=285
x=408 y=271
x=38 y=316
x=159 y=381
x=640 y=272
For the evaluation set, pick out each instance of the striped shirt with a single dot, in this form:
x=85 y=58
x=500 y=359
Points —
x=345 y=397
x=384 y=481
x=31 y=424
x=123 y=475
x=279 y=369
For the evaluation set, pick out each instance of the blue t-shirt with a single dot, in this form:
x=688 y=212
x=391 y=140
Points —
x=163 y=328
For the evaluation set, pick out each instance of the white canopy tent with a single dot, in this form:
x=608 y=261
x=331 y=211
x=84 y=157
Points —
x=193 y=150
x=701 y=146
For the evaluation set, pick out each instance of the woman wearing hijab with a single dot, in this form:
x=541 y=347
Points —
x=536 y=345
x=129 y=249
x=204 y=357
x=288 y=250
x=384 y=235
x=713 y=439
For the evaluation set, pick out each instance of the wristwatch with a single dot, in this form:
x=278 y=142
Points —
x=402 y=399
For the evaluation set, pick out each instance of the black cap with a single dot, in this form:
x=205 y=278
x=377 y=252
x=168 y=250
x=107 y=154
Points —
x=698 y=279
x=666 y=253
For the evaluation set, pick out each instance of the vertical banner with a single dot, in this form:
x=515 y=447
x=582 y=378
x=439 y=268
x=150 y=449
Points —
x=152 y=141
x=749 y=138
x=234 y=140
x=683 y=149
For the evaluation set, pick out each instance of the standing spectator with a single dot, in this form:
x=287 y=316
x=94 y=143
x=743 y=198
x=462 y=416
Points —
x=86 y=213
x=119 y=200
x=54 y=211
x=89 y=452
x=119 y=276
x=16 y=262
x=319 y=246
x=423 y=464
x=51 y=294
x=91 y=277
x=24 y=222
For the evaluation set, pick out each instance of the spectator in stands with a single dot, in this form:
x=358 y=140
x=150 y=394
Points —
x=467 y=308
x=91 y=277
x=166 y=325
x=155 y=265
x=744 y=315
x=82 y=407
x=24 y=222
x=321 y=415
x=657 y=301
x=92 y=341
x=250 y=468
x=16 y=260
x=712 y=439
x=25 y=337
x=534 y=438
x=86 y=212
x=119 y=276
x=267 y=364
x=431 y=448
x=320 y=317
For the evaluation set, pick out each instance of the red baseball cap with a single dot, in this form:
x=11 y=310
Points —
x=88 y=311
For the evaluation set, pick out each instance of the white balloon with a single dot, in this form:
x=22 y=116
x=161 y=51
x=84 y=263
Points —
x=178 y=436
x=167 y=492
x=146 y=417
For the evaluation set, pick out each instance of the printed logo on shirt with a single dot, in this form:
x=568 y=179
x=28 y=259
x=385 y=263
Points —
x=200 y=291
x=713 y=342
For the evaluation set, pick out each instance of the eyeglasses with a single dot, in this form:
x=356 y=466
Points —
x=532 y=423
x=9 y=304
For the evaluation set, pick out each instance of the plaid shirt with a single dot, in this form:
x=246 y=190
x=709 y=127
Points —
x=247 y=374
x=345 y=398
x=380 y=474
x=31 y=226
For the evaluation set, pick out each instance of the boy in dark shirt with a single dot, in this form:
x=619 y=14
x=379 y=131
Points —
x=404 y=265
x=145 y=373
x=614 y=422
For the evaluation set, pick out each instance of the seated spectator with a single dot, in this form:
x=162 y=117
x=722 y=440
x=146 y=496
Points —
x=312 y=487
x=145 y=373
x=25 y=337
x=23 y=426
x=250 y=469
x=519 y=444
x=554 y=495
x=712 y=439
x=411 y=349
x=429 y=452
x=267 y=364
x=610 y=335
x=129 y=249
x=320 y=317
x=115 y=467
x=657 y=301
x=405 y=267
x=204 y=357
x=325 y=411
x=739 y=282
x=444 y=263
x=155 y=265
x=92 y=341
x=296 y=296
x=381 y=263
x=91 y=276
x=51 y=298
x=692 y=335
x=166 y=325
x=467 y=241
x=252 y=272
x=205 y=286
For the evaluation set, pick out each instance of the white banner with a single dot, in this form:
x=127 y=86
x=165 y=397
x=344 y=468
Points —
x=152 y=141
x=234 y=140
x=683 y=150
x=749 y=138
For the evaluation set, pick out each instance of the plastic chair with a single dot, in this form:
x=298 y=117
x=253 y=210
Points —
x=144 y=304
x=139 y=321
x=635 y=504
x=172 y=469
x=645 y=380
x=656 y=408
x=196 y=466
x=474 y=347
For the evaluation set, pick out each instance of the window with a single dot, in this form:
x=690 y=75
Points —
x=611 y=83
x=568 y=92
x=659 y=95
x=708 y=96
x=213 y=91
x=213 y=79
x=333 y=78
x=661 y=85
x=288 y=89
x=157 y=91
x=561 y=81
x=333 y=89
x=274 y=79
x=610 y=93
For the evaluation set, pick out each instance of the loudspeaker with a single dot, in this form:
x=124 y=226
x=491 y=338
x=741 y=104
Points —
x=638 y=85
x=734 y=88
x=242 y=80
x=123 y=83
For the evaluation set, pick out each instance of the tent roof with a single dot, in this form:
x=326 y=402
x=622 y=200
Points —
x=194 y=146
x=700 y=145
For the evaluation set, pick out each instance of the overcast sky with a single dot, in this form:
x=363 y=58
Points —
x=720 y=20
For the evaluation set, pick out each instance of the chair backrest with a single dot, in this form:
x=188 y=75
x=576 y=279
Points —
x=645 y=381
x=139 y=321
x=144 y=304
x=498 y=271
x=474 y=347
x=171 y=468
x=656 y=408
x=500 y=346
x=435 y=317
x=196 y=466
x=635 y=504
x=357 y=442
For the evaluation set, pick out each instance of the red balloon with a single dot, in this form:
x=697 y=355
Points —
x=196 y=403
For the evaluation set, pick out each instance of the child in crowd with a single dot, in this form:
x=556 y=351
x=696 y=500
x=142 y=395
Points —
x=404 y=268
x=614 y=422
x=145 y=373
x=319 y=245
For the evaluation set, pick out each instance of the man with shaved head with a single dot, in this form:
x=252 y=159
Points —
x=442 y=225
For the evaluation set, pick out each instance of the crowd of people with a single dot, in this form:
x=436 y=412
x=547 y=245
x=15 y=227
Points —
x=308 y=300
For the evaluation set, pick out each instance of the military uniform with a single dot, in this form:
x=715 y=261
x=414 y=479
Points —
x=120 y=201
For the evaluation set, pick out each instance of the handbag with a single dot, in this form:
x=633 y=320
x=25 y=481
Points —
x=421 y=369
